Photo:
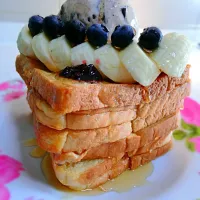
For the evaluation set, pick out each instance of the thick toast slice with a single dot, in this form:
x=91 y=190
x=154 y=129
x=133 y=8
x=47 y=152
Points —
x=68 y=141
x=107 y=150
x=141 y=116
x=91 y=174
x=77 y=121
x=66 y=96
x=130 y=145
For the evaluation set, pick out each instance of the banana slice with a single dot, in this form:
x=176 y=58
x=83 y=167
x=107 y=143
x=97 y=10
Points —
x=60 y=52
x=40 y=44
x=24 y=43
x=82 y=54
x=108 y=62
x=173 y=54
x=138 y=64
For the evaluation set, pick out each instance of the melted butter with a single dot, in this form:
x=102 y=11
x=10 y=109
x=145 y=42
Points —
x=30 y=143
x=37 y=152
x=123 y=183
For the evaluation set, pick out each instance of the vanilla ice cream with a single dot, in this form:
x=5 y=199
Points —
x=108 y=12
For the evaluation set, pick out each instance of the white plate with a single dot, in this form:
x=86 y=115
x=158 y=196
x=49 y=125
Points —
x=175 y=176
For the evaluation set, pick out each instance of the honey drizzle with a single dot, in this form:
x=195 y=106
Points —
x=37 y=152
x=30 y=143
x=122 y=183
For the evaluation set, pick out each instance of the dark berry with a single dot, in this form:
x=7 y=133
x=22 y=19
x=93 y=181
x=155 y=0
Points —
x=53 y=26
x=75 y=31
x=35 y=24
x=97 y=35
x=150 y=38
x=122 y=36
x=82 y=73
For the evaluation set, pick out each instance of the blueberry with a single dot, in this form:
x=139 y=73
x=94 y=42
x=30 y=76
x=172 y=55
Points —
x=82 y=73
x=150 y=38
x=53 y=26
x=75 y=32
x=35 y=24
x=97 y=35
x=122 y=36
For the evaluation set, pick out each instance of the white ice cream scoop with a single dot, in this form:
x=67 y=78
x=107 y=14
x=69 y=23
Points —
x=111 y=13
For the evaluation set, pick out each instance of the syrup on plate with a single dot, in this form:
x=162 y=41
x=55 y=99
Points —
x=30 y=143
x=123 y=183
x=37 y=152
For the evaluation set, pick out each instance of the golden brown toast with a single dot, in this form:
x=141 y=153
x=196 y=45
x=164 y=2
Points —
x=90 y=174
x=141 y=116
x=107 y=150
x=78 y=142
x=95 y=132
x=130 y=145
x=68 y=140
x=76 y=121
x=66 y=96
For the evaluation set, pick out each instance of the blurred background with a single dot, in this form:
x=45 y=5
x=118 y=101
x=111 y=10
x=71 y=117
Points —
x=170 y=15
x=166 y=14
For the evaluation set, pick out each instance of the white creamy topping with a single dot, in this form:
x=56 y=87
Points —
x=111 y=13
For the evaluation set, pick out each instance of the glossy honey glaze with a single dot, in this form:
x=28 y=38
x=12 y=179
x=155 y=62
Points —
x=37 y=152
x=30 y=143
x=123 y=183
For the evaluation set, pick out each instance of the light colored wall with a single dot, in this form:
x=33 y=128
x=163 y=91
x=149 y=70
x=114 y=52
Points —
x=163 y=13
x=21 y=10
x=168 y=13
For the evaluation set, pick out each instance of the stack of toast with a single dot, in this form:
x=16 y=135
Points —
x=94 y=132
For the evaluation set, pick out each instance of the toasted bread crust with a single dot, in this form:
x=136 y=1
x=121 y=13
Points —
x=100 y=171
x=107 y=150
x=141 y=116
x=68 y=141
x=160 y=130
x=76 y=121
x=67 y=96
x=145 y=158
x=130 y=145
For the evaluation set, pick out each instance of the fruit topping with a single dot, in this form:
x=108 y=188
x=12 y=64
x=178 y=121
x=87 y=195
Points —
x=122 y=36
x=82 y=54
x=108 y=62
x=75 y=31
x=53 y=26
x=35 y=24
x=142 y=69
x=82 y=73
x=40 y=45
x=97 y=35
x=60 y=52
x=173 y=54
x=150 y=38
x=24 y=43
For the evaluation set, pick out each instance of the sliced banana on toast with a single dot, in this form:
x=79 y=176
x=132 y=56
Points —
x=40 y=44
x=82 y=54
x=108 y=62
x=173 y=54
x=138 y=64
x=60 y=52
x=24 y=43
